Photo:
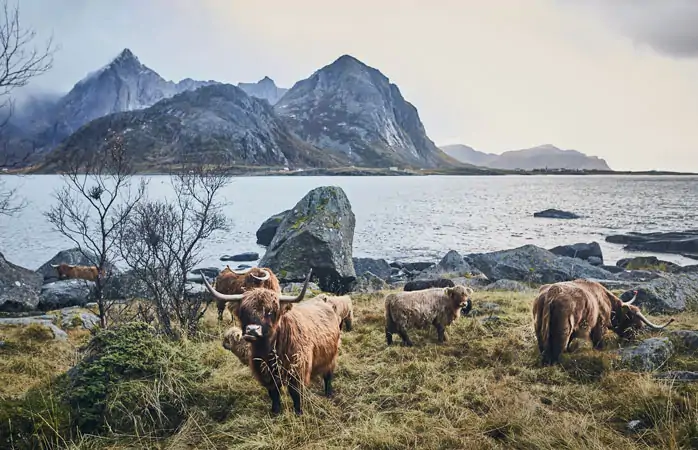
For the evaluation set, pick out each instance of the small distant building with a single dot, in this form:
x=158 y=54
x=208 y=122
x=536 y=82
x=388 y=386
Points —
x=394 y=169
x=286 y=169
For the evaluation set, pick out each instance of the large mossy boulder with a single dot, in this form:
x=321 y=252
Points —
x=19 y=287
x=317 y=233
x=267 y=231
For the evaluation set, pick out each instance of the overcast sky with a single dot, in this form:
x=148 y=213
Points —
x=619 y=82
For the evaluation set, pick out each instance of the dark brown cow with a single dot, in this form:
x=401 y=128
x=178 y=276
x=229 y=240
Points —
x=68 y=271
x=581 y=309
x=289 y=345
x=232 y=282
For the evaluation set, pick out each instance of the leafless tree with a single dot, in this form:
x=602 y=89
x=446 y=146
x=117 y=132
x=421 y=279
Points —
x=162 y=242
x=92 y=206
x=20 y=61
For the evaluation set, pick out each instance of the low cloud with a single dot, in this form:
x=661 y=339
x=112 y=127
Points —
x=669 y=27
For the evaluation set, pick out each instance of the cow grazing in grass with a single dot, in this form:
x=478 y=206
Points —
x=437 y=307
x=69 y=271
x=581 y=309
x=290 y=342
x=420 y=285
x=232 y=282
x=343 y=306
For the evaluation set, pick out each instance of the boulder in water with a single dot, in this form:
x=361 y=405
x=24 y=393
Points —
x=556 y=214
x=317 y=233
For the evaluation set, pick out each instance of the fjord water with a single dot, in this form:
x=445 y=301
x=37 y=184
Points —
x=411 y=218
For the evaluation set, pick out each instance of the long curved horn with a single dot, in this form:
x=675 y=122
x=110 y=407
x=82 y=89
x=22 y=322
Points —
x=55 y=266
x=240 y=272
x=630 y=302
x=218 y=295
x=651 y=325
x=264 y=278
x=294 y=299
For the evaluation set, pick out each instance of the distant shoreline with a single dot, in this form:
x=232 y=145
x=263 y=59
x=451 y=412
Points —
x=364 y=171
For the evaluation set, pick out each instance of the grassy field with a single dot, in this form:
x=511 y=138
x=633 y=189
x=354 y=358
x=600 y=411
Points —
x=483 y=389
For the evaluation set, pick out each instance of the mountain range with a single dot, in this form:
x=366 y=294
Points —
x=344 y=114
x=540 y=157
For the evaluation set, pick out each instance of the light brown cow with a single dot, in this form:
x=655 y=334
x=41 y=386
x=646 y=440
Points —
x=581 y=309
x=289 y=345
x=421 y=309
x=233 y=341
x=68 y=271
x=229 y=281
x=342 y=305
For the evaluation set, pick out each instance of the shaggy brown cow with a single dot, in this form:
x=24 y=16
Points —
x=581 y=309
x=438 y=307
x=69 y=271
x=233 y=341
x=289 y=345
x=342 y=305
x=232 y=282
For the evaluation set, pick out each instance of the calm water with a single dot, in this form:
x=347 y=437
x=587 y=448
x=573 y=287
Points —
x=412 y=218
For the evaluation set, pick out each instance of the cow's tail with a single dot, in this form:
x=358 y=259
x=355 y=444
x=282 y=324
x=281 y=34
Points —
x=545 y=324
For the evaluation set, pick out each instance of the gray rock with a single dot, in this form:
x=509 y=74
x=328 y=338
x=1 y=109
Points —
x=318 y=233
x=369 y=282
x=534 y=265
x=634 y=425
x=556 y=214
x=210 y=272
x=476 y=282
x=491 y=320
x=581 y=251
x=507 y=285
x=678 y=375
x=636 y=275
x=648 y=356
x=242 y=257
x=295 y=288
x=267 y=231
x=416 y=266
x=682 y=242
x=669 y=293
x=646 y=262
x=60 y=294
x=19 y=287
x=485 y=308
x=378 y=267
x=685 y=339
x=71 y=317
x=612 y=269
x=615 y=285
x=420 y=285
x=451 y=265
x=58 y=334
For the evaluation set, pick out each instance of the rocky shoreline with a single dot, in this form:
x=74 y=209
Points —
x=318 y=232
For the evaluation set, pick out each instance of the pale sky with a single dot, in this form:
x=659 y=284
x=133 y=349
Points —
x=619 y=82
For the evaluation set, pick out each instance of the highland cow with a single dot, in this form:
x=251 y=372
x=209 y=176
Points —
x=420 y=285
x=342 y=305
x=68 y=271
x=233 y=341
x=421 y=309
x=232 y=282
x=289 y=345
x=581 y=309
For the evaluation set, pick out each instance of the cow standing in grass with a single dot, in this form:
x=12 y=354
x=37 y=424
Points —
x=290 y=342
x=437 y=307
x=343 y=306
x=581 y=309
x=232 y=282
x=69 y=271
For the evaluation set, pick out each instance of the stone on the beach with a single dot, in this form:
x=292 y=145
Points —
x=19 y=287
x=241 y=257
x=647 y=356
x=378 y=267
x=668 y=293
x=266 y=232
x=63 y=293
x=453 y=264
x=590 y=252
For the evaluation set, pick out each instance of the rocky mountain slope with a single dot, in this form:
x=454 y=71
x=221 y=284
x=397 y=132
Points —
x=264 y=88
x=219 y=120
x=353 y=108
x=541 y=157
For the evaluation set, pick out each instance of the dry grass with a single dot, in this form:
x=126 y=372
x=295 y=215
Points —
x=483 y=389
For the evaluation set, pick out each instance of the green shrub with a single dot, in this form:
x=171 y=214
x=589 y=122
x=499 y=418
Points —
x=131 y=381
